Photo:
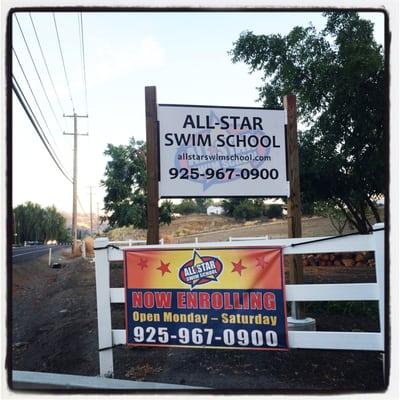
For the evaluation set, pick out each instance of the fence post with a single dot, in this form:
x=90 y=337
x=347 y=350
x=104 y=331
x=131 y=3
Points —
x=296 y=274
x=379 y=239
x=102 y=268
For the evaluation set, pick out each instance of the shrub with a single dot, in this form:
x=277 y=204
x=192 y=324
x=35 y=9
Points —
x=247 y=209
x=187 y=206
x=274 y=211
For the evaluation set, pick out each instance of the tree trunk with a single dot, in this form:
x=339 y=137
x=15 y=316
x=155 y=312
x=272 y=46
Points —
x=362 y=208
x=374 y=210
x=354 y=218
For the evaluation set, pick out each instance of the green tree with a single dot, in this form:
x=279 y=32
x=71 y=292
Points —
x=166 y=210
x=198 y=205
x=331 y=211
x=186 y=206
x=34 y=223
x=202 y=204
x=243 y=208
x=274 y=211
x=230 y=204
x=125 y=180
x=338 y=77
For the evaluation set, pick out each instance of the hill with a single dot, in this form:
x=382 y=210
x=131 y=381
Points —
x=219 y=228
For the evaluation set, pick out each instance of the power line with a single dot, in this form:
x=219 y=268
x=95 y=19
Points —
x=37 y=72
x=28 y=110
x=82 y=43
x=38 y=128
x=82 y=209
x=45 y=63
x=33 y=114
x=62 y=59
x=34 y=97
x=31 y=111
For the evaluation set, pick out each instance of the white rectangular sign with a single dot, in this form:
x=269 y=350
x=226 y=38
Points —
x=210 y=151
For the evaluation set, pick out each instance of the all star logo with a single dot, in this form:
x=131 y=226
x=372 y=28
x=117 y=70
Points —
x=200 y=270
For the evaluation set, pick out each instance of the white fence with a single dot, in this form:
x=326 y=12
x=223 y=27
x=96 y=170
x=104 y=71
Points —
x=242 y=239
x=109 y=337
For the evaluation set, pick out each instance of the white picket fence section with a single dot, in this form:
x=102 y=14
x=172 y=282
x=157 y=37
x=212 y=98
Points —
x=109 y=337
x=241 y=239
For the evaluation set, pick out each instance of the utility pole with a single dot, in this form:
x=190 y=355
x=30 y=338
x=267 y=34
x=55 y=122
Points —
x=75 y=134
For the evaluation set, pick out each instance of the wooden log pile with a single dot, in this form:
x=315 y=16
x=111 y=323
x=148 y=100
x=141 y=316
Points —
x=358 y=259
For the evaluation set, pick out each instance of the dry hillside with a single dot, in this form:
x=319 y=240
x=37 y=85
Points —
x=218 y=227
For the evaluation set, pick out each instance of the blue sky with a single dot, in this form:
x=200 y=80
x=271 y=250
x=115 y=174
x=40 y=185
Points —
x=183 y=54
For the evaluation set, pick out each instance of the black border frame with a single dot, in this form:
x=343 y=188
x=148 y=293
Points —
x=195 y=9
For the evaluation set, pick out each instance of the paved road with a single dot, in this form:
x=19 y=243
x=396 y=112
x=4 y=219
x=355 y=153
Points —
x=23 y=254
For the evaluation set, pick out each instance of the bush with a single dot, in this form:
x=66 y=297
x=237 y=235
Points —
x=248 y=209
x=165 y=216
x=274 y=211
x=187 y=206
x=307 y=208
x=337 y=217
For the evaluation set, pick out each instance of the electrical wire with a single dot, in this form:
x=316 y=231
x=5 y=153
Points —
x=82 y=209
x=37 y=73
x=38 y=128
x=31 y=111
x=30 y=88
x=82 y=45
x=35 y=99
x=28 y=110
x=63 y=62
x=45 y=63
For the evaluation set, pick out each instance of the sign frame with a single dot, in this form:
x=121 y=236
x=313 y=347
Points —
x=222 y=195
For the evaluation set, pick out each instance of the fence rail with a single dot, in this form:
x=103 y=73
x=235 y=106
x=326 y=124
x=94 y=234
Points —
x=238 y=239
x=373 y=341
x=29 y=380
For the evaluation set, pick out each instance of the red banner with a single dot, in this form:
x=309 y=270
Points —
x=209 y=297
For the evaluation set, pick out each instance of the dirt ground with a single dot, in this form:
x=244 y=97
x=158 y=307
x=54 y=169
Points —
x=54 y=329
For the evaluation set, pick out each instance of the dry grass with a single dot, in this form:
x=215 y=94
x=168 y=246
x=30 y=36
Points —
x=217 y=228
x=89 y=244
x=197 y=223
x=181 y=227
x=126 y=233
x=210 y=228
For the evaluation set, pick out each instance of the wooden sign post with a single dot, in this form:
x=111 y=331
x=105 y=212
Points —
x=152 y=165
x=294 y=200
